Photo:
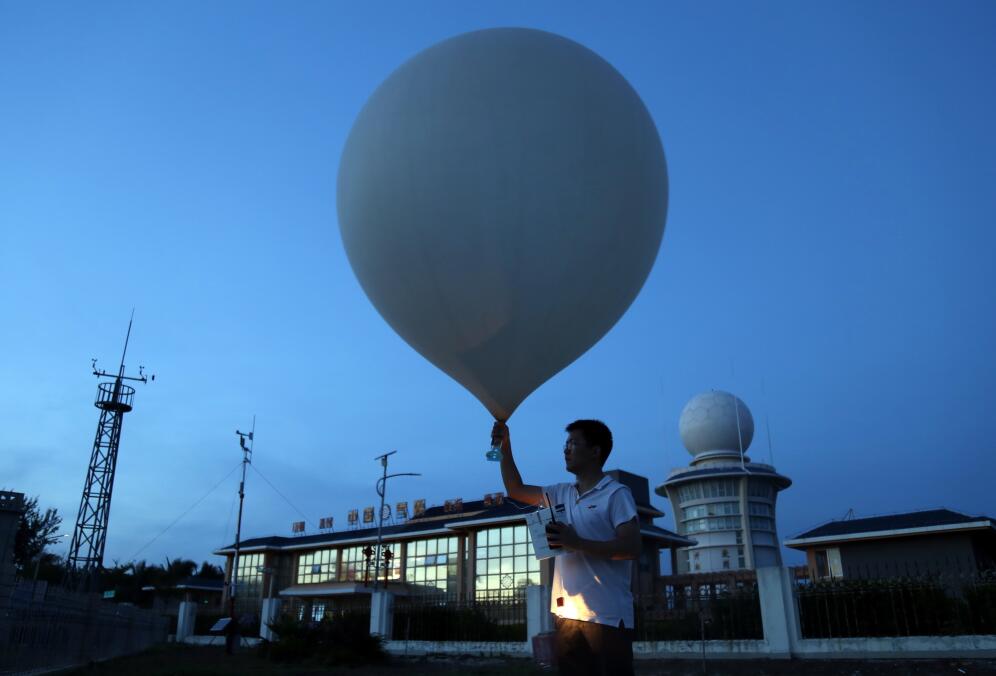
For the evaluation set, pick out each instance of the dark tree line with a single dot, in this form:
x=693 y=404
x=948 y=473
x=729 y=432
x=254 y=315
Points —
x=128 y=580
x=35 y=531
x=39 y=529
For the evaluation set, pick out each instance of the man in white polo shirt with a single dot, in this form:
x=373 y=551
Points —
x=591 y=594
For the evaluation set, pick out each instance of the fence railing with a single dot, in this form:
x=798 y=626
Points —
x=353 y=609
x=677 y=614
x=920 y=602
x=446 y=618
x=64 y=628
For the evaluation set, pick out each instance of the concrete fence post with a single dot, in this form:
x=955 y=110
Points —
x=538 y=617
x=779 y=614
x=381 y=614
x=271 y=609
x=186 y=616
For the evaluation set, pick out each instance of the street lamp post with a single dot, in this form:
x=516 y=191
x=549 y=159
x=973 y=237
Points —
x=381 y=490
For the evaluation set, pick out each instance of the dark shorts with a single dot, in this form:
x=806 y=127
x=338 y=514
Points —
x=592 y=648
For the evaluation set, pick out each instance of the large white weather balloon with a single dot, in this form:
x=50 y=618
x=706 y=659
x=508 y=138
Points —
x=502 y=198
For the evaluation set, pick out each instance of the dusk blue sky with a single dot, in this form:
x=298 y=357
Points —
x=828 y=257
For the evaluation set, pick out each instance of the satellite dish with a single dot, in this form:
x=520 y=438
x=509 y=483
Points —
x=501 y=199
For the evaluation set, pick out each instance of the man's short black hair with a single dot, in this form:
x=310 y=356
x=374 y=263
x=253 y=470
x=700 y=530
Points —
x=595 y=433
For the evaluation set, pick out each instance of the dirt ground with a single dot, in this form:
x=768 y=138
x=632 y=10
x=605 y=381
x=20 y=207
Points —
x=174 y=660
x=818 y=667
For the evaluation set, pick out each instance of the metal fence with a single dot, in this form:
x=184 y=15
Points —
x=706 y=613
x=898 y=600
x=446 y=618
x=62 y=628
x=353 y=609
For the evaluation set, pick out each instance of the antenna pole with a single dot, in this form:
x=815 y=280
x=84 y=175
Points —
x=767 y=424
x=246 y=459
x=740 y=438
x=767 y=429
x=127 y=338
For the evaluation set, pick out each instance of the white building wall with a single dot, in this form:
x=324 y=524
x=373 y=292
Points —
x=732 y=541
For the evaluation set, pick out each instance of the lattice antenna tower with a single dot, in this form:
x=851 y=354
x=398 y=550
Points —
x=114 y=399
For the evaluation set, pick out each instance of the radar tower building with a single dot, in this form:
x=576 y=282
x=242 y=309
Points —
x=722 y=499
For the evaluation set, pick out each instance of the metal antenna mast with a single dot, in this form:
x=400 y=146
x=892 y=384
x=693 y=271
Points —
x=114 y=399
x=381 y=490
x=246 y=459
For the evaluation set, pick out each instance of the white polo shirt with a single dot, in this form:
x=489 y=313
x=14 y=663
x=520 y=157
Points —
x=585 y=587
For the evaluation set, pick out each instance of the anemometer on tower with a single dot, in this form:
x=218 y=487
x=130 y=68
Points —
x=114 y=399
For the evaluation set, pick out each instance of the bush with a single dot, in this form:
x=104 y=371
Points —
x=449 y=623
x=343 y=640
x=204 y=621
x=730 y=617
x=980 y=599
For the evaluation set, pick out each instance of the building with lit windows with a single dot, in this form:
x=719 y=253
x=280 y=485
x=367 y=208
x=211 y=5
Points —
x=722 y=499
x=463 y=550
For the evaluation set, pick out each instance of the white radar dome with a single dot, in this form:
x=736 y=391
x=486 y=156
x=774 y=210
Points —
x=709 y=423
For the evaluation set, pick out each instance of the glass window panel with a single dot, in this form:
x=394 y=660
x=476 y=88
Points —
x=437 y=568
x=506 y=565
x=507 y=550
x=521 y=550
x=506 y=535
x=521 y=564
x=493 y=565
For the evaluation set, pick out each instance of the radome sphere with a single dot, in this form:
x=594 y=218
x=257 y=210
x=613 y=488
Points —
x=709 y=423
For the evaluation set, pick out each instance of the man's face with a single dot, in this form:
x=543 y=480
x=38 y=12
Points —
x=578 y=455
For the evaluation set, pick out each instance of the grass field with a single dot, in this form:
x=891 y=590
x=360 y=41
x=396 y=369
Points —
x=184 y=660
x=187 y=660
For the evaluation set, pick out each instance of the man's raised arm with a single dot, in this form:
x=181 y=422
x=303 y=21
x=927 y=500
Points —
x=516 y=490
